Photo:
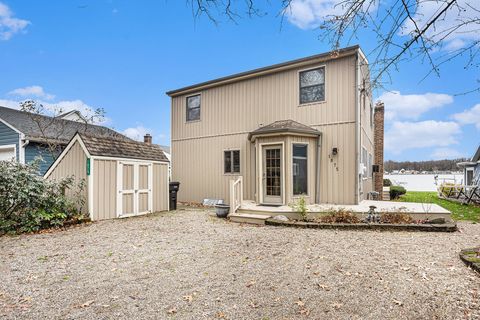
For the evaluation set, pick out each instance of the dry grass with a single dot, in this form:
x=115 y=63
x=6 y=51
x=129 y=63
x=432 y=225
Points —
x=340 y=216
x=396 y=218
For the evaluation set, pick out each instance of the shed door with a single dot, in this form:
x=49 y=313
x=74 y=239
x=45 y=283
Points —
x=135 y=188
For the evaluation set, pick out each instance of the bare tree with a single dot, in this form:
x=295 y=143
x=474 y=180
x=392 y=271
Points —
x=52 y=128
x=434 y=31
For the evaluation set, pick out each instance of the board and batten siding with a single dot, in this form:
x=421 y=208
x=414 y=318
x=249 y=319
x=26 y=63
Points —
x=105 y=189
x=8 y=136
x=160 y=187
x=74 y=164
x=229 y=112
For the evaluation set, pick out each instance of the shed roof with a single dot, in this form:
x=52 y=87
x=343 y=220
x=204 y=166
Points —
x=108 y=147
x=284 y=126
x=476 y=156
x=40 y=128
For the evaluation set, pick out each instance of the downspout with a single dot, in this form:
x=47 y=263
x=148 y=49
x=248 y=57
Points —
x=22 y=148
x=357 y=132
x=317 y=168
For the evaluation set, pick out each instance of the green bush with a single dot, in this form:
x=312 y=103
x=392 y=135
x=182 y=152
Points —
x=30 y=203
x=387 y=182
x=396 y=192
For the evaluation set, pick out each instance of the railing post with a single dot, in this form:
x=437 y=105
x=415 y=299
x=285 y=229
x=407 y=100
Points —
x=241 y=190
x=232 y=196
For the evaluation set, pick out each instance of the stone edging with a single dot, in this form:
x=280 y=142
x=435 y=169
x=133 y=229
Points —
x=471 y=258
x=447 y=227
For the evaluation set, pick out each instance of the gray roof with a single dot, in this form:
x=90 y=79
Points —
x=330 y=54
x=41 y=128
x=109 y=147
x=476 y=156
x=284 y=126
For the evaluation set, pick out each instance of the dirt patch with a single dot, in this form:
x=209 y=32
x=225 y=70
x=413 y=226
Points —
x=188 y=265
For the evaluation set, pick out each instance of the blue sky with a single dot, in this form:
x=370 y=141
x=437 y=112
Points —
x=124 y=55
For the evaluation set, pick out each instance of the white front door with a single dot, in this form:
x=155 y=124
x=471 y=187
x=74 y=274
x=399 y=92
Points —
x=134 y=184
x=272 y=175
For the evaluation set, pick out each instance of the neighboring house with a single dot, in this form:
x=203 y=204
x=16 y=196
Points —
x=471 y=169
x=122 y=177
x=299 y=128
x=25 y=136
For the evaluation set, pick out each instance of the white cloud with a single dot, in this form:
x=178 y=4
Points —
x=138 y=132
x=9 y=25
x=423 y=134
x=32 y=91
x=449 y=27
x=308 y=14
x=469 y=116
x=55 y=108
x=412 y=106
x=446 y=153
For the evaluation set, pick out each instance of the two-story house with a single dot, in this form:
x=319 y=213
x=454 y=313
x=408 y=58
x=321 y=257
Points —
x=299 y=128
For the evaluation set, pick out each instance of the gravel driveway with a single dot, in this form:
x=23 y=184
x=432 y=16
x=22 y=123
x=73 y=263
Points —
x=188 y=265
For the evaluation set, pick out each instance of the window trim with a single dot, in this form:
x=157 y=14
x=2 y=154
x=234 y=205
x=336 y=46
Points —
x=472 y=169
x=307 y=194
x=239 y=159
x=186 y=108
x=299 y=88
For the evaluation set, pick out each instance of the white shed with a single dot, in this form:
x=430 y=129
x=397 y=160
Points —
x=123 y=178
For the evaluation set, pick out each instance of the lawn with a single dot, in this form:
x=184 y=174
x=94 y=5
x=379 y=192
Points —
x=459 y=211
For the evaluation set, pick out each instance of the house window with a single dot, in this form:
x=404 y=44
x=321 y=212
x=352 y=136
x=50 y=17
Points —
x=231 y=160
x=469 y=177
x=193 y=108
x=300 y=161
x=312 y=85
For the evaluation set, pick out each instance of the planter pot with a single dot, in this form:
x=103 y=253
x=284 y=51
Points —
x=222 y=210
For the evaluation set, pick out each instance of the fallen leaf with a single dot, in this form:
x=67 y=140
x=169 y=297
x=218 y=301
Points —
x=86 y=304
x=300 y=303
x=324 y=287
x=172 y=310
x=397 y=302
x=188 y=298
x=253 y=305
x=304 y=311
x=337 y=305
x=251 y=283
x=220 y=315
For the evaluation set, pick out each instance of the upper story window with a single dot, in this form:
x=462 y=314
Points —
x=312 y=85
x=193 y=108
x=231 y=161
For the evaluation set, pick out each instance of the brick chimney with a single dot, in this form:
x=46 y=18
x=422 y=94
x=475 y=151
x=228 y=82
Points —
x=378 y=137
x=147 y=138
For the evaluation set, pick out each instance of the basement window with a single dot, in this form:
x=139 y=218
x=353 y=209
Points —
x=312 y=85
x=231 y=161
x=193 y=108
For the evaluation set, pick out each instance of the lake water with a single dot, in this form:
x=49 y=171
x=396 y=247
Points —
x=422 y=182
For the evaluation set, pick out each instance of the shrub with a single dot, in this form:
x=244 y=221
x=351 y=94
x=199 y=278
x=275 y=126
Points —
x=387 y=182
x=301 y=208
x=30 y=203
x=396 y=218
x=396 y=192
x=340 y=216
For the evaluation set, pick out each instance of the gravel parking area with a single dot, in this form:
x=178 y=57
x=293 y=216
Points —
x=188 y=265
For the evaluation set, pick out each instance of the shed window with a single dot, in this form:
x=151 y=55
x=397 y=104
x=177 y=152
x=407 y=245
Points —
x=193 y=108
x=300 y=167
x=231 y=161
x=312 y=85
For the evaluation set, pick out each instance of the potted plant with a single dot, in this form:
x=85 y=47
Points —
x=222 y=210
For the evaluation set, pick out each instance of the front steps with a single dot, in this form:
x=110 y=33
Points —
x=249 y=218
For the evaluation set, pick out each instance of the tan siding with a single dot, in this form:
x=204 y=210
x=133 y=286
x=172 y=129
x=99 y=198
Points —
x=127 y=177
x=73 y=164
x=104 y=189
x=229 y=112
x=143 y=177
x=143 y=202
x=160 y=187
